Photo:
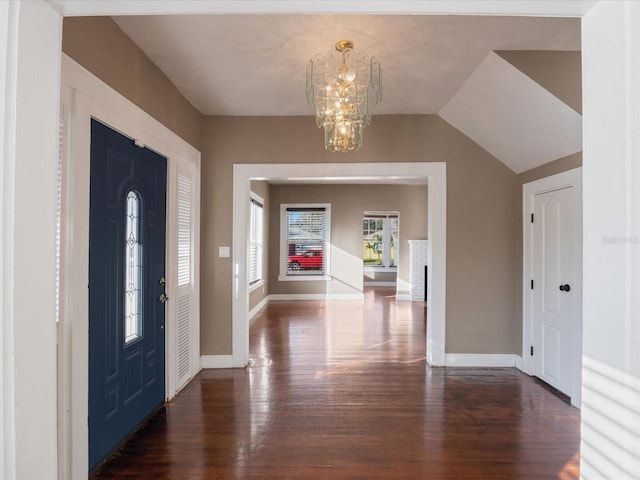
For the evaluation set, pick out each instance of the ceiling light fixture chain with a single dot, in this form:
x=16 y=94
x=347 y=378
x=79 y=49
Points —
x=344 y=87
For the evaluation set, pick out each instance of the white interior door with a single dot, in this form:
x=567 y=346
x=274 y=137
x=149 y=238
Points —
x=556 y=344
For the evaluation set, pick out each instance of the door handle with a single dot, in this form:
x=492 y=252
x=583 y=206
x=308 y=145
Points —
x=163 y=298
x=565 y=288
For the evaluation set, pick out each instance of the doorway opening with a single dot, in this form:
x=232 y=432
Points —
x=432 y=173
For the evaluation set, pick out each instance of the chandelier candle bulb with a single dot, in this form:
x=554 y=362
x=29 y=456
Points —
x=344 y=87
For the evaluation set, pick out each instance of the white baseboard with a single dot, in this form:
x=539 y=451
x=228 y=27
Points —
x=263 y=303
x=379 y=284
x=403 y=296
x=519 y=363
x=316 y=296
x=216 y=361
x=482 y=360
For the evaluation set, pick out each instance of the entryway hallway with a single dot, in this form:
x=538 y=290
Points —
x=341 y=390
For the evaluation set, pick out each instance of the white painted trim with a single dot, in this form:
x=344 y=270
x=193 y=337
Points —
x=8 y=121
x=65 y=341
x=380 y=269
x=436 y=175
x=573 y=8
x=304 y=278
x=216 y=361
x=403 y=297
x=379 y=284
x=610 y=429
x=519 y=363
x=261 y=304
x=316 y=296
x=570 y=178
x=30 y=34
x=253 y=195
x=256 y=286
x=93 y=98
x=8 y=80
x=494 y=360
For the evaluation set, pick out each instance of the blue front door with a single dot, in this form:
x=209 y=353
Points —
x=126 y=282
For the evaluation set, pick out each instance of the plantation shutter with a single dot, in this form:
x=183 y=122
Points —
x=255 y=242
x=184 y=291
x=184 y=230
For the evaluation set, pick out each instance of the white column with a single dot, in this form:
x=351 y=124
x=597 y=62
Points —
x=30 y=59
x=418 y=259
x=611 y=320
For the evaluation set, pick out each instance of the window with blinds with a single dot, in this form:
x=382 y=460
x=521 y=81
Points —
x=305 y=238
x=256 y=234
x=184 y=230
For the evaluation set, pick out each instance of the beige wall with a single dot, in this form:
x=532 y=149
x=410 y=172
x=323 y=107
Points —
x=546 y=170
x=348 y=203
x=558 y=72
x=484 y=221
x=261 y=188
x=481 y=213
x=100 y=46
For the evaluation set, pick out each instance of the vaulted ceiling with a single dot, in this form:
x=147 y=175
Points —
x=519 y=104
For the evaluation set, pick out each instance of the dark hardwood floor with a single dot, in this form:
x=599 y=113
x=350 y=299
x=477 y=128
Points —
x=341 y=390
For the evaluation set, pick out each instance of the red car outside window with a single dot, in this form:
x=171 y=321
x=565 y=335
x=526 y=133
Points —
x=309 y=260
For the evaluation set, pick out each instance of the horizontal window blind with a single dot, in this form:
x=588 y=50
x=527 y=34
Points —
x=255 y=242
x=305 y=240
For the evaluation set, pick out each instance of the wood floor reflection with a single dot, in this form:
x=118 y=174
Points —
x=341 y=390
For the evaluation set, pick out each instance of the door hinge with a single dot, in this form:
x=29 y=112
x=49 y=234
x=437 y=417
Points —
x=531 y=284
x=532 y=350
x=532 y=218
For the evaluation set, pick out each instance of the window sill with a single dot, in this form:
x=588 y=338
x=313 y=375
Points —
x=304 y=278
x=380 y=269
x=256 y=286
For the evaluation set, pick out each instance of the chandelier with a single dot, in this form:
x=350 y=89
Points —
x=344 y=86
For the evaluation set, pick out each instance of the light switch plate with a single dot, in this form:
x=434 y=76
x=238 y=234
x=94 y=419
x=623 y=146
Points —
x=224 y=252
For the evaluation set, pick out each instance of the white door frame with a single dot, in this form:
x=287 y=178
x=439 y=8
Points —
x=433 y=172
x=570 y=178
x=84 y=97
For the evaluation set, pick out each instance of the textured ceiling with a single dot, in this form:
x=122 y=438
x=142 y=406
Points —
x=254 y=65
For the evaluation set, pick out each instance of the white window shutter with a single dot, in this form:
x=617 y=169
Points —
x=184 y=291
x=184 y=230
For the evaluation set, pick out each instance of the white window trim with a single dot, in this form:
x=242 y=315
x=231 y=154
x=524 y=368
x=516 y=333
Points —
x=386 y=239
x=282 y=276
x=379 y=268
x=254 y=286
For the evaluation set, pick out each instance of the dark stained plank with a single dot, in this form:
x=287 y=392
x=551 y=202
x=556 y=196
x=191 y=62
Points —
x=341 y=390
